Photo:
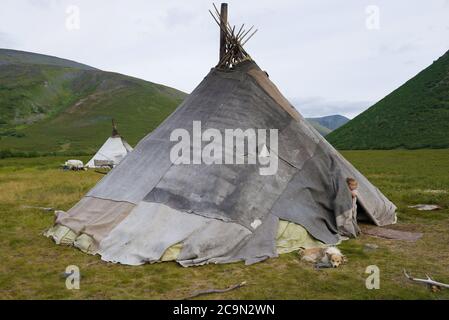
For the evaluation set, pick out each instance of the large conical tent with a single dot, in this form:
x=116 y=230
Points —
x=112 y=151
x=147 y=208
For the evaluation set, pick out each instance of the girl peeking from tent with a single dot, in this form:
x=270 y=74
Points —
x=353 y=184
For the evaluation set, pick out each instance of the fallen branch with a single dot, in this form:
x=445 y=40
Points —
x=100 y=172
x=429 y=281
x=202 y=292
x=92 y=263
x=39 y=208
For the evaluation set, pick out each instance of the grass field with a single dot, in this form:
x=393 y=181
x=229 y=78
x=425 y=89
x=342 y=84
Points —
x=31 y=266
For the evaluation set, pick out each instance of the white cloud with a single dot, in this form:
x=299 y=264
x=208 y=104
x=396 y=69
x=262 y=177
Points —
x=6 y=40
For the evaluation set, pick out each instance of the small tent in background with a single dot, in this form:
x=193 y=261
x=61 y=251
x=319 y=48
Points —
x=111 y=152
x=148 y=209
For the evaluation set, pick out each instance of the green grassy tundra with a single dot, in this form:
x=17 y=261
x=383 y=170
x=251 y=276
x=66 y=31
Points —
x=31 y=266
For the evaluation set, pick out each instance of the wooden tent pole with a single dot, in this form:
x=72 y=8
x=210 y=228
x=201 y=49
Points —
x=114 y=129
x=224 y=23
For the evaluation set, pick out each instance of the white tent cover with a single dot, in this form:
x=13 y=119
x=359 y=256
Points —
x=114 y=149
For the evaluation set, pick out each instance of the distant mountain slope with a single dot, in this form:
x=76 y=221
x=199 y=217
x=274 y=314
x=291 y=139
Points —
x=416 y=115
x=325 y=125
x=8 y=56
x=331 y=122
x=318 y=127
x=55 y=105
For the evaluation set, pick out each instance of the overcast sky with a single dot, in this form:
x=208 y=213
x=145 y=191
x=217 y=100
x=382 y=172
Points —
x=326 y=56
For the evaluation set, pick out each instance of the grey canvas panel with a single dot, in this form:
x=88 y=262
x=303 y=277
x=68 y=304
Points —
x=297 y=144
x=233 y=193
x=151 y=228
x=248 y=107
x=260 y=246
x=95 y=217
x=148 y=231
x=137 y=174
x=216 y=239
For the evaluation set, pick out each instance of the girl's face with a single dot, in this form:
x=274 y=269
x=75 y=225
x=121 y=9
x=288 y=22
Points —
x=353 y=186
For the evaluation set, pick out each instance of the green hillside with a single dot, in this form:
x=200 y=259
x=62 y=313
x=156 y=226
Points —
x=416 y=115
x=54 y=105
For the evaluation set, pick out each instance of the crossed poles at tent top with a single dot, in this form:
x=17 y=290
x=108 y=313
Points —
x=234 y=52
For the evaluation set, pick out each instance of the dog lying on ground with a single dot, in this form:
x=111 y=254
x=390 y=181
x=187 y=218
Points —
x=330 y=257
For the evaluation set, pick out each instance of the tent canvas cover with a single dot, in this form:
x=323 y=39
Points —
x=113 y=150
x=147 y=206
